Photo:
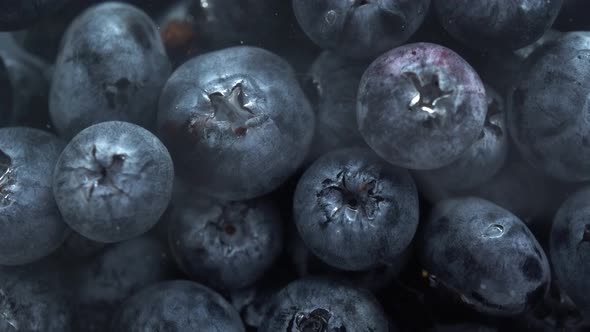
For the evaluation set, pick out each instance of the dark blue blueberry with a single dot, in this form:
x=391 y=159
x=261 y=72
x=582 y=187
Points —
x=29 y=87
x=484 y=158
x=30 y=223
x=21 y=14
x=78 y=247
x=360 y=28
x=485 y=256
x=324 y=305
x=226 y=245
x=236 y=122
x=420 y=106
x=112 y=66
x=548 y=114
x=177 y=306
x=33 y=297
x=113 y=181
x=355 y=211
x=332 y=86
x=105 y=281
x=507 y=24
x=570 y=248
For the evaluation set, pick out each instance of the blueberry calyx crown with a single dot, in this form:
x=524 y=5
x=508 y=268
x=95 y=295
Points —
x=106 y=172
x=427 y=94
x=231 y=108
x=6 y=178
x=348 y=195
x=314 y=321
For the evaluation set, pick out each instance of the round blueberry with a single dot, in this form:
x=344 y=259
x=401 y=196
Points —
x=485 y=256
x=355 y=211
x=30 y=223
x=21 y=14
x=360 y=28
x=111 y=66
x=236 y=122
x=548 y=114
x=507 y=24
x=420 y=106
x=179 y=306
x=324 y=305
x=113 y=181
x=227 y=245
x=484 y=158
x=332 y=85
x=570 y=248
x=105 y=281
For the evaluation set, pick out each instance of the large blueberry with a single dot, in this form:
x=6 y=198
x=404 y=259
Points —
x=102 y=283
x=484 y=158
x=548 y=114
x=332 y=86
x=179 y=306
x=30 y=223
x=112 y=66
x=485 y=256
x=113 y=181
x=227 y=245
x=420 y=106
x=236 y=122
x=570 y=248
x=508 y=24
x=355 y=211
x=360 y=28
x=312 y=304
x=20 y=14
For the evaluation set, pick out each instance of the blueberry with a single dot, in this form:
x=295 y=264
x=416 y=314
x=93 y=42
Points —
x=506 y=24
x=484 y=158
x=227 y=245
x=30 y=224
x=355 y=211
x=570 y=248
x=112 y=66
x=20 y=14
x=33 y=297
x=485 y=256
x=420 y=106
x=77 y=247
x=572 y=16
x=236 y=122
x=29 y=87
x=547 y=115
x=113 y=181
x=360 y=28
x=179 y=306
x=332 y=85
x=324 y=305
x=104 y=282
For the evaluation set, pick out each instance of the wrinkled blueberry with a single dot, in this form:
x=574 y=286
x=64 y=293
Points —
x=332 y=86
x=113 y=181
x=179 y=306
x=548 y=113
x=507 y=24
x=481 y=160
x=20 y=14
x=104 y=282
x=360 y=28
x=236 y=122
x=324 y=305
x=485 y=256
x=111 y=66
x=570 y=248
x=355 y=211
x=420 y=106
x=30 y=223
x=227 y=245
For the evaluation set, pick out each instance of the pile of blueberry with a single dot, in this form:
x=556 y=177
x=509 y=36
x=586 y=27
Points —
x=294 y=165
